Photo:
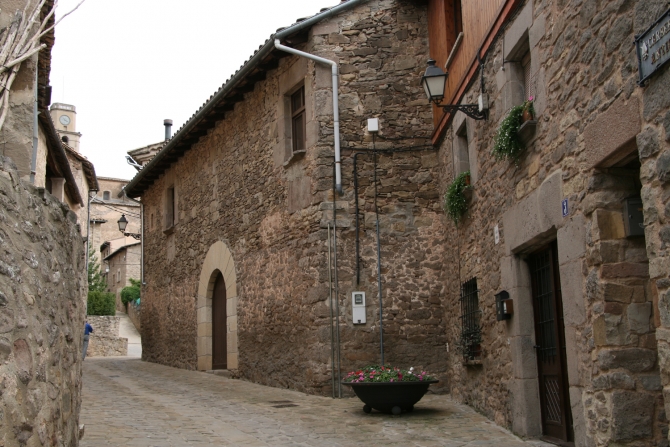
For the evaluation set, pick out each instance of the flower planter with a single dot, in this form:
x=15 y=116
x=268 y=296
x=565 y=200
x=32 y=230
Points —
x=390 y=397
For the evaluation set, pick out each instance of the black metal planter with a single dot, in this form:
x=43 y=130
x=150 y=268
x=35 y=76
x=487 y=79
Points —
x=390 y=397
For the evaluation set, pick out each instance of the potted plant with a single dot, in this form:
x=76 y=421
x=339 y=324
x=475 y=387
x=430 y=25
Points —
x=455 y=202
x=507 y=142
x=528 y=113
x=388 y=389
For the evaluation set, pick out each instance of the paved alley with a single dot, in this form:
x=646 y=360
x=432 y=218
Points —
x=127 y=402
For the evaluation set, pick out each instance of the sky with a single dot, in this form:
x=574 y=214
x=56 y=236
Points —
x=126 y=65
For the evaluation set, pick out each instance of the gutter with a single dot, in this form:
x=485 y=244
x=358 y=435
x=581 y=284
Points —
x=336 y=108
x=265 y=50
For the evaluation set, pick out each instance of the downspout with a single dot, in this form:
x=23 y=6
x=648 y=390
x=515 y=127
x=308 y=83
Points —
x=336 y=108
x=141 y=234
x=33 y=162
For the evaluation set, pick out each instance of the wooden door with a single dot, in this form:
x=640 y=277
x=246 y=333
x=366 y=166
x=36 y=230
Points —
x=219 y=325
x=550 y=344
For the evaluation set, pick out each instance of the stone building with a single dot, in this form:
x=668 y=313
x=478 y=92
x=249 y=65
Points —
x=107 y=207
x=120 y=262
x=238 y=206
x=583 y=357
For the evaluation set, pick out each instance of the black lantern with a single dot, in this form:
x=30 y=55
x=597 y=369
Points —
x=434 y=81
x=504 y=306
x=123 y=223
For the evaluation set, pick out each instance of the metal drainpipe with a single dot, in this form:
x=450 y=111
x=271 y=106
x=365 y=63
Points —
x=33 y=162
x=336 y=107
x=141 y=234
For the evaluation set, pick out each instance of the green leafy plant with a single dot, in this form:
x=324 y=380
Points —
x=469 y=345
x=96 y=282
x=101 y=303
x=131 y=292
x=506 y=143
x=455 y=203
x=377 y=373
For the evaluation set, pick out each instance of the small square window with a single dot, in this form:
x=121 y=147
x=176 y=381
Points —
x=106 y=195
x=298 y=120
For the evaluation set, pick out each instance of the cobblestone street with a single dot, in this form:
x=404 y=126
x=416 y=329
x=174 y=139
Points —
x=127 y=402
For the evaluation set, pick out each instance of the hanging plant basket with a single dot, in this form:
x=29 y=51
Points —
x=455 y=200
x=508 y=141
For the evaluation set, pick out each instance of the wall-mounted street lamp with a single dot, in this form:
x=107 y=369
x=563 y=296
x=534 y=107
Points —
x=434 y=82
x=123 y=223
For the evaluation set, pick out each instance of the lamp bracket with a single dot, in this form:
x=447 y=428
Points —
x=137 y=236
x=471 y=110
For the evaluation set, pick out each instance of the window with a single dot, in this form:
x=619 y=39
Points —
x=458 y=18
x=528 y=91
x=106 y=195
x=471 y=331
x=461 y=150
x=118 y=275
x=298 y=120
x=169 y=208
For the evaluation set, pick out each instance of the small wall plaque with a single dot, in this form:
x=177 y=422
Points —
x=653 y=47
x=564 y=207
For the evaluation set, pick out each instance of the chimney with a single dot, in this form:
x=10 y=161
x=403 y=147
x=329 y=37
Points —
x=168 y=129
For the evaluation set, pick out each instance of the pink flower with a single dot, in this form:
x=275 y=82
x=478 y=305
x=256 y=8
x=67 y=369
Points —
x=530 y=98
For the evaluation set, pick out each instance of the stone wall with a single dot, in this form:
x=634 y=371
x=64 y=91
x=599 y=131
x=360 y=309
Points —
x=42 y=309
x=237 y=187
x=595 y=128
x=135 y=314
x=105 y=340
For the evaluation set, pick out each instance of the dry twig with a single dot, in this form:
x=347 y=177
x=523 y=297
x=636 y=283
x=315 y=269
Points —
x=19 y=43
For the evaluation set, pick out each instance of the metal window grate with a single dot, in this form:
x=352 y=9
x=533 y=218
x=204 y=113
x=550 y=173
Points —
x=542 y=277
x=471 y=332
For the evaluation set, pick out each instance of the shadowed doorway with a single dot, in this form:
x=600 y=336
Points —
x=219 y=328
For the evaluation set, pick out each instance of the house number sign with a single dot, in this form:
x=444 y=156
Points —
x=653 y=47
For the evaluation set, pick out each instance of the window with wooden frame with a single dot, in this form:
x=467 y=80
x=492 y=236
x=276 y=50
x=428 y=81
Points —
x=169 y=208
x=471 y=330
x=298 y=120
x=527 y=78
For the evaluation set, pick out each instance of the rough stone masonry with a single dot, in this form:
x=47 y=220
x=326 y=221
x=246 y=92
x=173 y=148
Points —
x=42 y=308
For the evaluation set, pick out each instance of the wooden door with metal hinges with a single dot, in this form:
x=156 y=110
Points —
x=550 y=344
x=219 y=325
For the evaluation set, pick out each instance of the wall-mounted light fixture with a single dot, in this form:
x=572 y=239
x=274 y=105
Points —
x=123 y=223
x=504 y=306
x=434 y=82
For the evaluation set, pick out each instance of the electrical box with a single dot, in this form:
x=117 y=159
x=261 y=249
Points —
x=373 y=124
x=358 y=307
x=633 y=219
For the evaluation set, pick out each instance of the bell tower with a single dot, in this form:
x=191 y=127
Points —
x=64 y=117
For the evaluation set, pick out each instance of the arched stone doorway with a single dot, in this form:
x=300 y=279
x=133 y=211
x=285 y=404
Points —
x=217 y=275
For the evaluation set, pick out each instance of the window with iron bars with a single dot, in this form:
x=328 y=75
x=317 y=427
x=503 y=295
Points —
x=471 y=330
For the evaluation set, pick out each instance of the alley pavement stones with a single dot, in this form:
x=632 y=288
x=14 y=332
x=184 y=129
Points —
x=127 y=402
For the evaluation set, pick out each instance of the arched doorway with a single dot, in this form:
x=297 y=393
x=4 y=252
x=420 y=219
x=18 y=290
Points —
x=219 y=325
x=217 y=279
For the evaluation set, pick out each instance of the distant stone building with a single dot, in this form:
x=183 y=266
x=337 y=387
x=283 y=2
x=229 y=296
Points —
x=120 y=263
x=107 y=207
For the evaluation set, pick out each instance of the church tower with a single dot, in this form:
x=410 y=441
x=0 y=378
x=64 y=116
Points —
x=64 y=117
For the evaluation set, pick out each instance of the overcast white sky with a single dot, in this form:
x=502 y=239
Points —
x=126 y=65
